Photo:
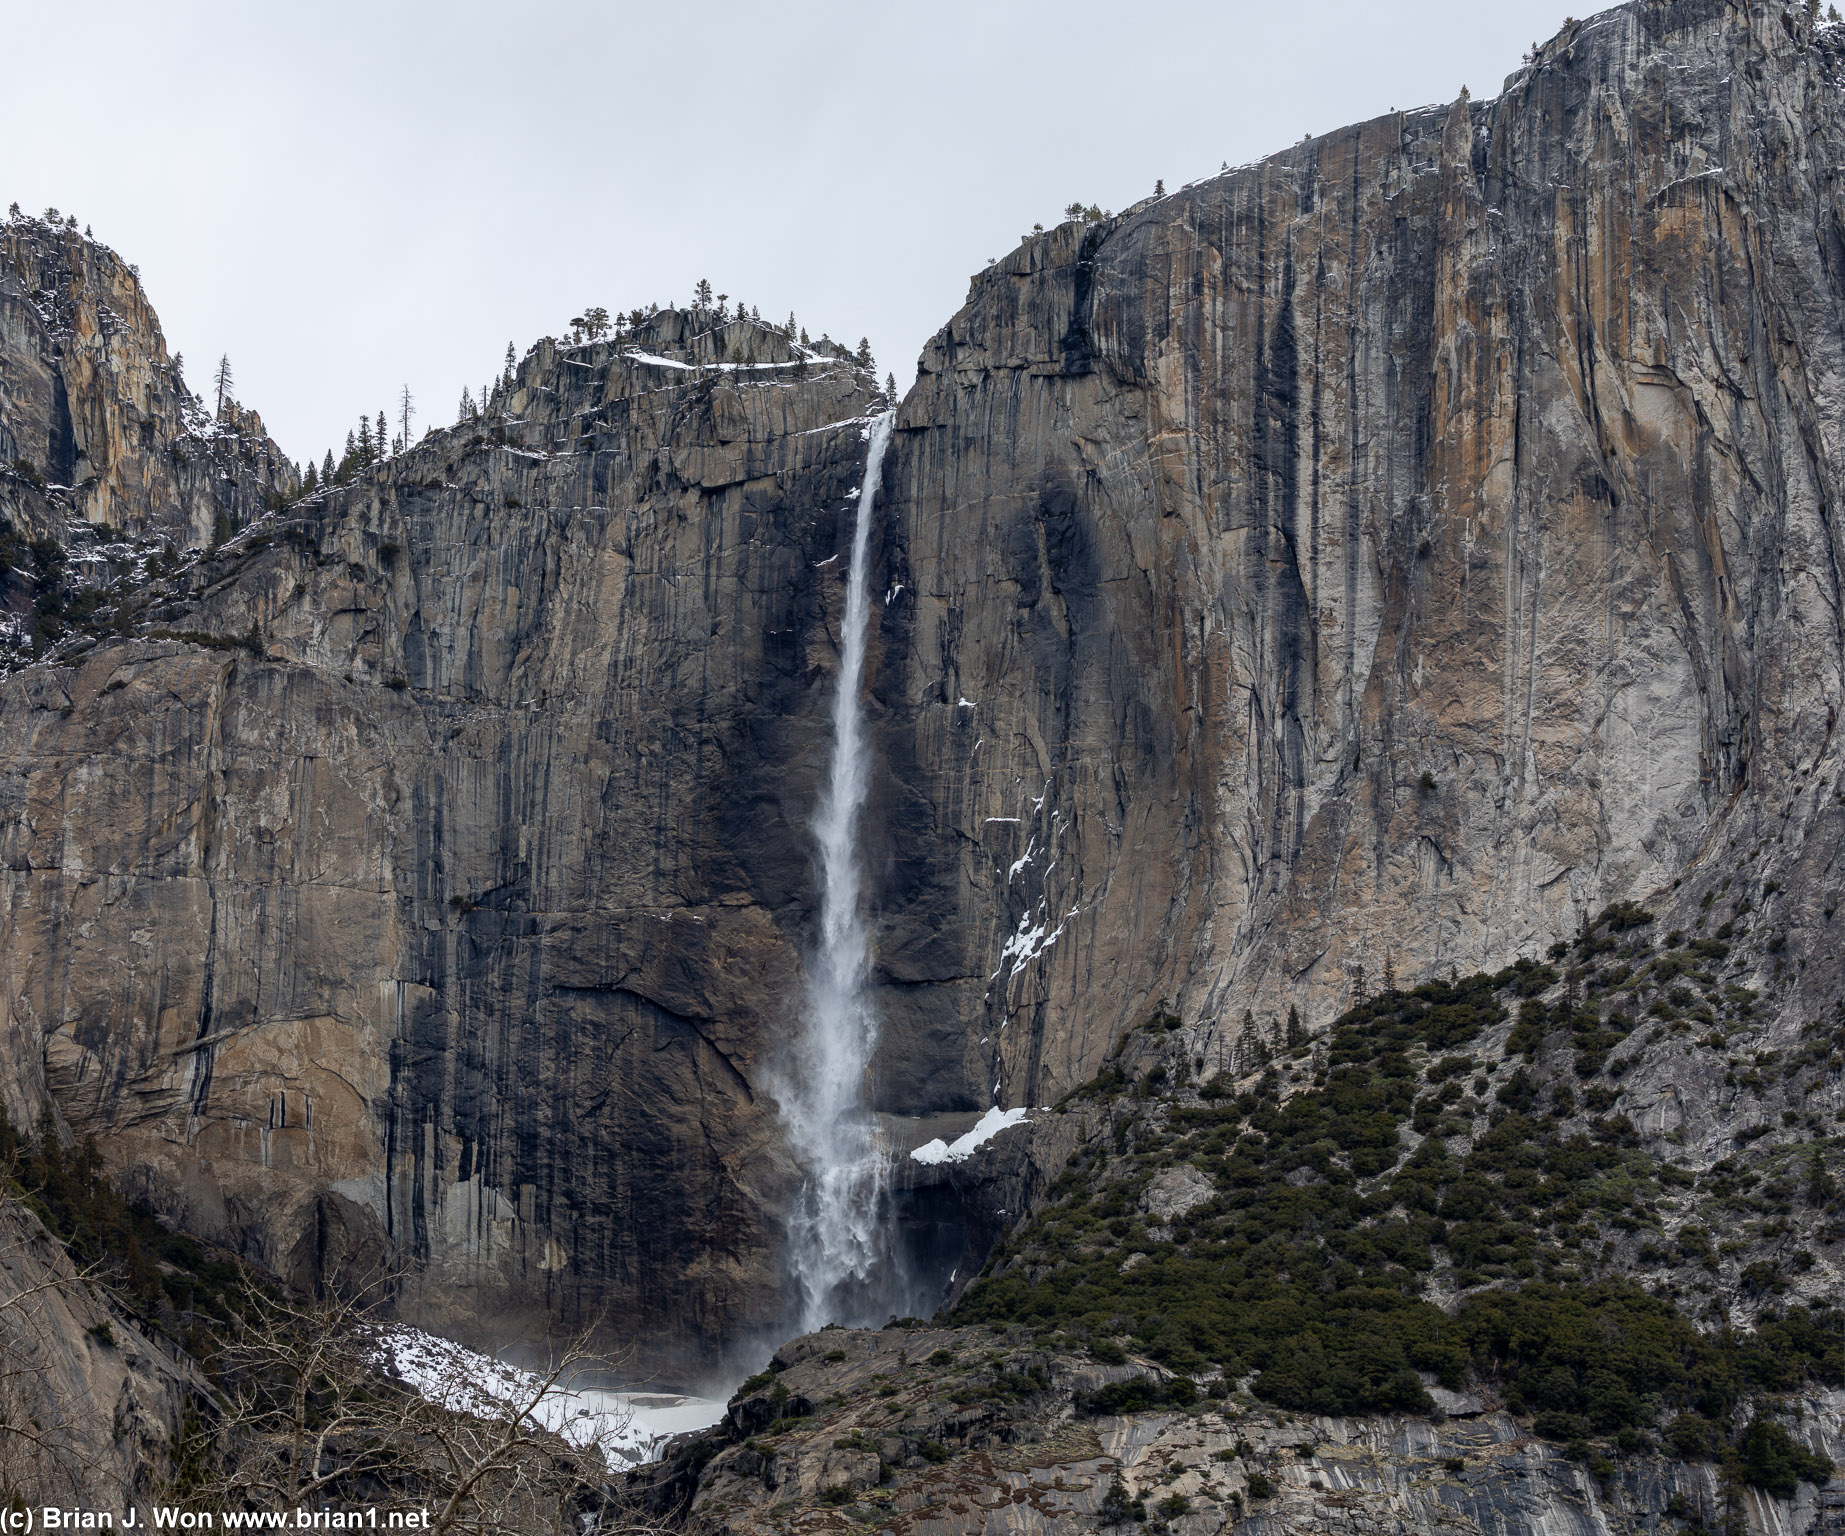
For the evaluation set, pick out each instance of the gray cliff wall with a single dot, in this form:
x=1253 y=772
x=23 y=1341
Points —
x=462 y=920
x=1375 y=558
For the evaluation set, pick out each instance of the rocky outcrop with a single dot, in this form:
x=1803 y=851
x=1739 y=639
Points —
x=940 y=1432
x=89 y=1406
x=95 y=421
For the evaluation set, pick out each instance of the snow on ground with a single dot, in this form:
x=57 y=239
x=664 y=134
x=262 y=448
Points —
x=990 y=1125
x=628 y=1427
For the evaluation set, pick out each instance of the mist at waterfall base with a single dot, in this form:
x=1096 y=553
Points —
x=841 y=1250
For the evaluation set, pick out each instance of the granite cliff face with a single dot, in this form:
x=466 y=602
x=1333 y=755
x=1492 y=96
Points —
x=1378 y=557
x=449 y=861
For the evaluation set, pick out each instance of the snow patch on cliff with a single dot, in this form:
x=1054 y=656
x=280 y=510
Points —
x=989 y=1125
x=1031 y=939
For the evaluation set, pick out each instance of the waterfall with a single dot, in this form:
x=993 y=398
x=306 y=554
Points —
x=836 y=1232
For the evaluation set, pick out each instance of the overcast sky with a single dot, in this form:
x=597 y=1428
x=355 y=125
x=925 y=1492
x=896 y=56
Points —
x=350 y=197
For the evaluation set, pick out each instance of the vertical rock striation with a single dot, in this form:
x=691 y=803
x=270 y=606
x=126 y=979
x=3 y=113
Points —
x=1358 y=564
x=459 y=920
x=1373 y=559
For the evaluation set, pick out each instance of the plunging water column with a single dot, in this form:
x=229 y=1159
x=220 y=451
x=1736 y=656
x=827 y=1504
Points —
x=837 y=1242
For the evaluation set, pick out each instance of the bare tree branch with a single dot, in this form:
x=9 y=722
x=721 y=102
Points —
x=325 y=1403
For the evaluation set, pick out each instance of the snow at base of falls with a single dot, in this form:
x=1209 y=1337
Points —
x=990 y=1125
x=627 y=1427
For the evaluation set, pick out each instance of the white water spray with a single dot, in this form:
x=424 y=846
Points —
x=838 y=1242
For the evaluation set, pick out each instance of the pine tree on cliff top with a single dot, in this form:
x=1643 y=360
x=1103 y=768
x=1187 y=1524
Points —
x=701 y=296
x=326 y=468
x=362 y=450
x=382 y=436
x=221 y=382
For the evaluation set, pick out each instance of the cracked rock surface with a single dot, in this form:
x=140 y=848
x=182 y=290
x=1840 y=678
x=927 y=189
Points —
x=1361 y=564
x=948 y=1432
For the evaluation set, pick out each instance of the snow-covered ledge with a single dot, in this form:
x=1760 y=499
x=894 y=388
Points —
x=990 y=1125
